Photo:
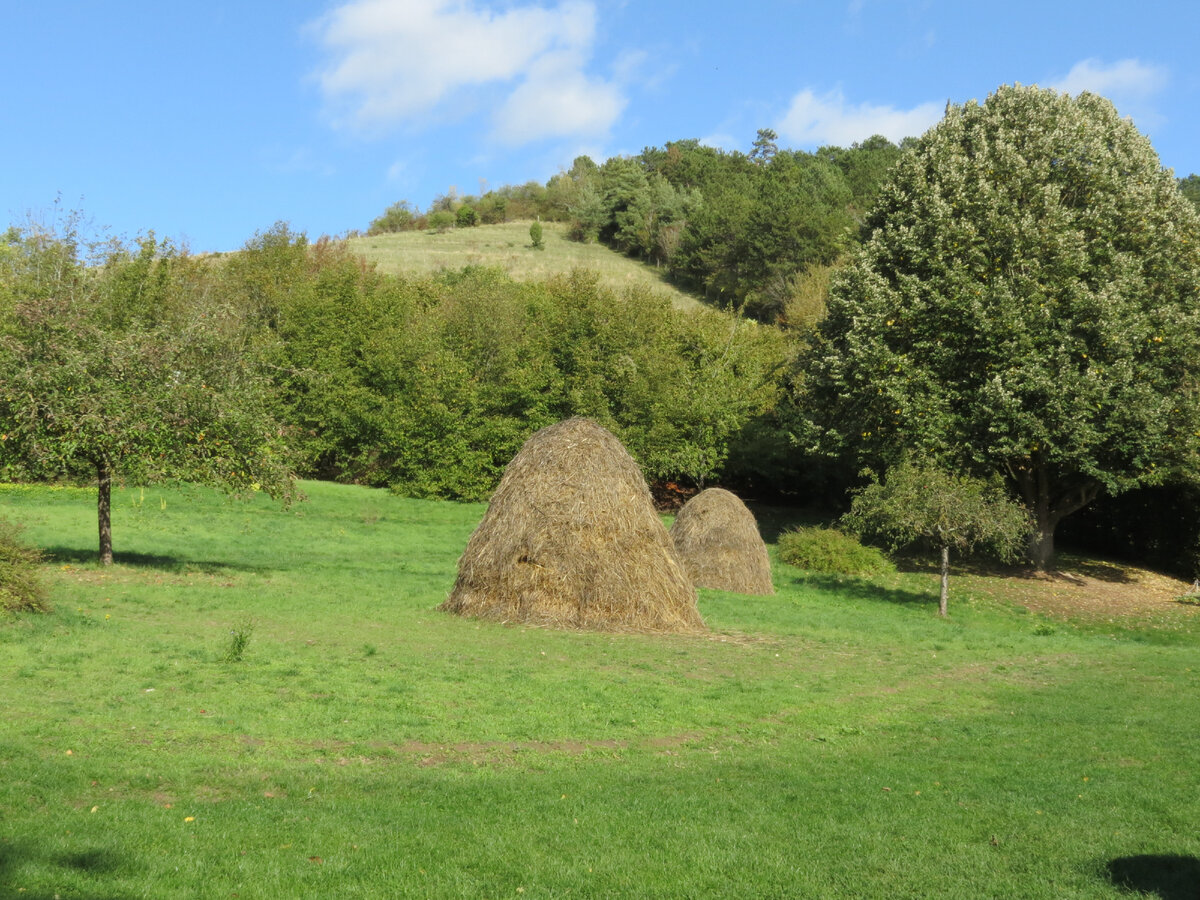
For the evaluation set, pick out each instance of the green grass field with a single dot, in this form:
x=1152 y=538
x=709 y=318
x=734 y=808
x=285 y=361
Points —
x=835 y=740
x=508 y=247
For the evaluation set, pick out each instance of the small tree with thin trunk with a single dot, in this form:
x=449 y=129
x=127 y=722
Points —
x=129 y=370
x=950 y=511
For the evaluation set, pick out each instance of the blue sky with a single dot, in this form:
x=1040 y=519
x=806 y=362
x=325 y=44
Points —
x=209 y=122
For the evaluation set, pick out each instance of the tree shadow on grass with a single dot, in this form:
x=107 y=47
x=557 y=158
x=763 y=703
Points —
x=174 y=564
x=1167 y=877
x=862 y=589
x=1069 y=568
x=94 y=862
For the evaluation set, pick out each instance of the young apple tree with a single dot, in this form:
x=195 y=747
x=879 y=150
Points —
x=128 y=369
x=952 y=512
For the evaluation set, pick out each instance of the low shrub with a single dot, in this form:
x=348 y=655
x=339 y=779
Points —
x=21 y=585
x=832 y=552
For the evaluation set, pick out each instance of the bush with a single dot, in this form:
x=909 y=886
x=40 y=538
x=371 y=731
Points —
x=466 y=217
x=397 y=217
x=831 y=552
x=21 y=586
x=440 y=221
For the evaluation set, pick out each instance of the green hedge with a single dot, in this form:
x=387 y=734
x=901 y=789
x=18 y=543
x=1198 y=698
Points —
x=832 y=552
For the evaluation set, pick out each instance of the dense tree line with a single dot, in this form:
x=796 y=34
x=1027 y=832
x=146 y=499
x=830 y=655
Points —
x=149 y=363
x=1013 y=295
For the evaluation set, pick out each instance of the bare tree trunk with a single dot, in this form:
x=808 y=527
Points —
x=1041 y=542
x=104 y=510
x=943 y=602
x=1050 y=503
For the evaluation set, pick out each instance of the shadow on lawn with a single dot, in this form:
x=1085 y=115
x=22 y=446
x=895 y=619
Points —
x=95 y=862
x=1168 y=877
x=1068 y=567
x=174 y=564
x=862 y=589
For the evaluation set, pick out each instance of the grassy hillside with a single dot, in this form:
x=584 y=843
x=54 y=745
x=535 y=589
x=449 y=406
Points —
x=507 y=246
x=835 y=740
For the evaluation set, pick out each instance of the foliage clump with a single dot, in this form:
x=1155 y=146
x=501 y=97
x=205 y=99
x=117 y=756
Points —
x=431 y=385
x=830 y=551
x=21 y=586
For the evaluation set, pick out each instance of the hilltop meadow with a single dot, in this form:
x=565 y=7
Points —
x=506 y=246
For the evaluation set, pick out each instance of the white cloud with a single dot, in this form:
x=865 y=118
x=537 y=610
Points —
x=1127 y=78
x=719 y=140
x=829 y=119
x=401 y=61
x=557 y=100
x=1130 y=84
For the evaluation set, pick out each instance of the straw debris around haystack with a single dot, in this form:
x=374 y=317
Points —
x=717 y=540
x=570 y=539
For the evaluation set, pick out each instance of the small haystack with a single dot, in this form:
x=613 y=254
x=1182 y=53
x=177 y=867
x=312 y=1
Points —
x=718 y=543
x=571 y=540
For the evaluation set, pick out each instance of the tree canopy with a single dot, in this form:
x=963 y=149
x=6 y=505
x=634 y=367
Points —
x=129 y=369
x=1025 y=304
x=952 y=512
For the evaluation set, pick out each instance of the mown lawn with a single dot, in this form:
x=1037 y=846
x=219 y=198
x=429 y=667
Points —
x=835 y=740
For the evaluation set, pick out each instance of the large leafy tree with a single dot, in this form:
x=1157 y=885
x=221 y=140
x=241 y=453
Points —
x=128 y=368
x=1026 y=303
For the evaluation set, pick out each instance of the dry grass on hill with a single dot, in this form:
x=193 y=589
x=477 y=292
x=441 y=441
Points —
x=507 y=246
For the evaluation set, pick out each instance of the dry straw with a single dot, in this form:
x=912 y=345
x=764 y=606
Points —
x=571 y=540
x=718 y=543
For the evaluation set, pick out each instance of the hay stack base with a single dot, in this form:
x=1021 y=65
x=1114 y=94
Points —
x=717 y=541
x=571 y=540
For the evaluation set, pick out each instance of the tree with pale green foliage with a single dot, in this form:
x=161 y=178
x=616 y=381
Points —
x=535 y=236
x=130 y=370
x=398 y=217
x=953 y=512
x=1026 y=305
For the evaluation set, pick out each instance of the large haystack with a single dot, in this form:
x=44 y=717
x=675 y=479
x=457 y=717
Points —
x=718 y=543
x=570 y=539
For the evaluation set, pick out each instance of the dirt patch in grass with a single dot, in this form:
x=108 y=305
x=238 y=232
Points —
x=1088 y=590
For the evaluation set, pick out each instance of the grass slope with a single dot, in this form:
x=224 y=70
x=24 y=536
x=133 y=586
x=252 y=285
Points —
x=508 y=247
x=836 y=740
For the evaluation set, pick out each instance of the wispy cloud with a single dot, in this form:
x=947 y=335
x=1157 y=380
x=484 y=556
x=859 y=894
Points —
x=829 y=119
x=396 y=62
x=1130 y=84
x=1125 y=78
x=557 y=100
x=719 y=140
